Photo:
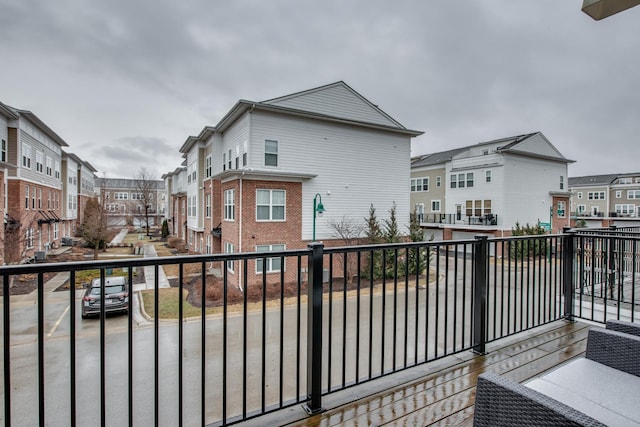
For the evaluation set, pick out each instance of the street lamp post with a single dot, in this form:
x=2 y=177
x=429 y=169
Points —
x=318 y=209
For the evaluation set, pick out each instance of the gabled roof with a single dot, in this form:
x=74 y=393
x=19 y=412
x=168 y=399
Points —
x=79 y=161
x=6 y=111
x=40 y=124
x=302 y=104
x=513 y=144
x=437 y=158
x=592 y=180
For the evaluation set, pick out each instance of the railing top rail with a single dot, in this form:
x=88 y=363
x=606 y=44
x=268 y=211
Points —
x=401 y=245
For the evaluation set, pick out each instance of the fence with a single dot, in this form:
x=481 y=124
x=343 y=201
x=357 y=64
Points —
x=289 y=327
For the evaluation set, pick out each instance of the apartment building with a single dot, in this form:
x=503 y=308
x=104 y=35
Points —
x=34 y=219
x=125 y=201
x=604 y=200
x=252 y=179
x=487 y=188
x=176 y=195
x=6 y=116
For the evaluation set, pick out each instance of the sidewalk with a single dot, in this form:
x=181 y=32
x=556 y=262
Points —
x=150 y=274
x=119 y=237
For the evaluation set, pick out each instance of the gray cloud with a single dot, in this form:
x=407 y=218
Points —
x=104 y=73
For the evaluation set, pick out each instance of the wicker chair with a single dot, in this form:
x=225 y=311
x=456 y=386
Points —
x=501 y=402
x=626 y=327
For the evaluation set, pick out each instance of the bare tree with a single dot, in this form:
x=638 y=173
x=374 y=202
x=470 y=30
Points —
x=94 y=228
x=18 y=238
x=144 y=202
x=349 y=231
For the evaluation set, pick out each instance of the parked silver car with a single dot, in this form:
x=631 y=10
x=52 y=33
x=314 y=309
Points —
x=116 y=295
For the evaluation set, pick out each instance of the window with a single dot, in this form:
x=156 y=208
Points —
x=39 y=161
x=561 y=182
x=633 y=194
x=29 y=237
x=273 y=264
x=39 y=198
x=477 y=207
x=3 y=151
x=229 y=159
x=435 y=206
x=55 y=231
x=460 y=180
x=224 y=161
x=562 y=209
x=49 y=170
x=192 y=175
x=208 y=246
x=579 y=194
x=470 y=179
x=582 y=209
x=207 y=206
x=121 y=196
x=485 y=152
x=208 y=166
x=228 y=249
x=270 y=205
x=487 y=176
x=57 y=169
x=33 y=197
x=26 y=156
x=26 y=197
x=420 y=184
x=229 y=205
x=419 y=212
x=625 y=181
x=626 y=210
x=454 y=180
x=619 y=194
x=438 y=181
x=596 y=195
x=270 y=153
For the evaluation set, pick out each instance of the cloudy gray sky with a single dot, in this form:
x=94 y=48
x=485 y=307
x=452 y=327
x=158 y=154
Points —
x=126 y=82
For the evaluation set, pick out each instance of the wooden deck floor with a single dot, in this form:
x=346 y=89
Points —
x=442 y=393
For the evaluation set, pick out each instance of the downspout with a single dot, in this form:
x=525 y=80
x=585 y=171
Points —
x=240 y=230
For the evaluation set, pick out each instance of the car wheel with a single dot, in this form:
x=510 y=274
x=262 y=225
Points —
x=84 y=316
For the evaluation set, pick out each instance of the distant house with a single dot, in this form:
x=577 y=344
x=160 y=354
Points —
x=604 y=200
x=487 y=188
x=253 y=177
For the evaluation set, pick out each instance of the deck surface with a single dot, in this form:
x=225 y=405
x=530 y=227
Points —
x=442 y=393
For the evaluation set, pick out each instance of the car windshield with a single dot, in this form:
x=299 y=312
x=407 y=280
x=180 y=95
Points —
x=113 y=289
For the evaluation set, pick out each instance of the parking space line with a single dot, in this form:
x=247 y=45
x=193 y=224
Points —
x=55 y=326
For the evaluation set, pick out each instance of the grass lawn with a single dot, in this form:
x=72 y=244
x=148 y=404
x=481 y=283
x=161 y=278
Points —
x=168 y=306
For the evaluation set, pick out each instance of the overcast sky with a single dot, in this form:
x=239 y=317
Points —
x=126 y=82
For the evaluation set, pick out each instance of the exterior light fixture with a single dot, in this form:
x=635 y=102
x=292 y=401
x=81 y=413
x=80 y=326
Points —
x=318 y=210
x=600 y=9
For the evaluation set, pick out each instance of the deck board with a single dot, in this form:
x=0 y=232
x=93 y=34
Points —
x=444 y=394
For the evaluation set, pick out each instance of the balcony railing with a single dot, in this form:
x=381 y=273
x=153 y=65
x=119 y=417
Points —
x=291 y=327
x=437 y=218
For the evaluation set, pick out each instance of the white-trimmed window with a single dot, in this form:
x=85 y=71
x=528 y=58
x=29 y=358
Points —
x=208 y=166
x=582 y=209
x=435 y=206
x=562 y=209
x=273 y=264
x=39 y=161
x=625 y=181
x=438 y=181
x=420 y=212
x=33 y=198
x=26 y=197
x=626 y=209
x=487 y=176
x=207 y=206
x=121 y=196
x=207 y=249
x=561 y=182
x=420 y=184
x=619 y=194
x=469 y=179
x=270 y=152
x=579 y=194
x=454 y=181
x=49 y=170
x=224 y=161
x=596 y=195
x=3 y=151
x=270 y=205
x=55 y=231
x=633 y=194
x=56 y=169
x=228 y=249
x=229 y=205
x=26 y=156
x=29 y=238
x=39 y=198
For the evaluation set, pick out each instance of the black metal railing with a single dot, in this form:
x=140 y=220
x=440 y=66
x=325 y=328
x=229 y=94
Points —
x=237 y=336
x=441 y=218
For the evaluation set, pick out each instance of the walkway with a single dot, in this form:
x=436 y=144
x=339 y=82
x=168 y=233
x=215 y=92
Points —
x=119 y=237
x=149 y=272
